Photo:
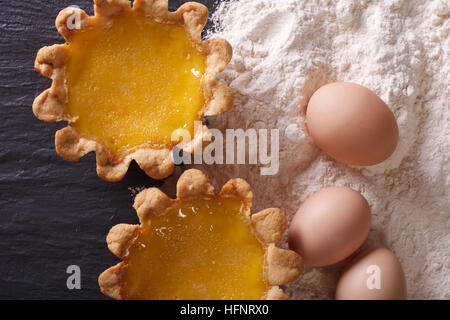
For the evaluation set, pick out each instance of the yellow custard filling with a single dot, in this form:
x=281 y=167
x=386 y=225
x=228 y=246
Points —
x=196 y=250
x=133 y=82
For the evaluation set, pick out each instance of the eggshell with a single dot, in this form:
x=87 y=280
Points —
x=329 y=226
x=351 y=124
x=374 y=274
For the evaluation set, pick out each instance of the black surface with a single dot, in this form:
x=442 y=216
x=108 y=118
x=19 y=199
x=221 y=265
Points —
x=52 y=213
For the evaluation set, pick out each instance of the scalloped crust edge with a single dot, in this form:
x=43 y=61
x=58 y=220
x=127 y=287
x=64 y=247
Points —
x=51 y=61
x=281 y=266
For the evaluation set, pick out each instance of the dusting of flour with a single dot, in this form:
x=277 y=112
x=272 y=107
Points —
x=285 y=50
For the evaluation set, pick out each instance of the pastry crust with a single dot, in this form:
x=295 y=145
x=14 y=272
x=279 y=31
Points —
x=280 y=266
x=51 y=62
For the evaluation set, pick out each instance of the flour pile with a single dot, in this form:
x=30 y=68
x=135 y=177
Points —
x=284 y=51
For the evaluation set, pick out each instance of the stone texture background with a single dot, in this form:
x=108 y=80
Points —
x=52 y=213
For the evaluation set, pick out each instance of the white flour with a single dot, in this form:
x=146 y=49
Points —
x=283 y=51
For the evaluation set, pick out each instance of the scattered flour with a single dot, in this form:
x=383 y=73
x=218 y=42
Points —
x=285 y=50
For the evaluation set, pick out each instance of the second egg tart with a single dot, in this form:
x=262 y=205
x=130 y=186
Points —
x=200 y=246
x=127 y=78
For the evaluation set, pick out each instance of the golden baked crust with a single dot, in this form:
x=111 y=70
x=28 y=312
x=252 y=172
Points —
x=280 y=266
x=51 y=62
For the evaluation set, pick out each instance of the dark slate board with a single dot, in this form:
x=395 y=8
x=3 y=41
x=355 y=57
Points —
x=53 y=213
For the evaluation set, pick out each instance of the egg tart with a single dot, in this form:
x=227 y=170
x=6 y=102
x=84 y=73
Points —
x=127 y=78
x=200 y=246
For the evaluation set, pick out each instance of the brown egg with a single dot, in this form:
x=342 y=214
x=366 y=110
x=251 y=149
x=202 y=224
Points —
x=351 y=124
x=329 y=226
x=374 y=274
